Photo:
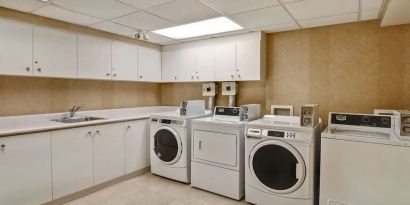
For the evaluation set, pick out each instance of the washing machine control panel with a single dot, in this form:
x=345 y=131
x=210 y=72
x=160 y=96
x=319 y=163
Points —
x=379 y=121
x=168 y=121
x=280 y=134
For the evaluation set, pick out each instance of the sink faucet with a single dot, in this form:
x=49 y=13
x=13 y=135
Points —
x=73 y=110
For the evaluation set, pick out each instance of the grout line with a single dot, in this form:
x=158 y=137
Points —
x=359 y=14
x=290 y=14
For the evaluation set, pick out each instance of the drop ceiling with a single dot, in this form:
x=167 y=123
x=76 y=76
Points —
x=127 y=17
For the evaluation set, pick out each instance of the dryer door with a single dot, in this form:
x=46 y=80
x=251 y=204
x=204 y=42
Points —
x=277 y=166
x=167 y=145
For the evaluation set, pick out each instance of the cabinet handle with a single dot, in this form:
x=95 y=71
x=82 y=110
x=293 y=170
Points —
x=237 y=70
x=129 y=127
x=192 y=77
x=232 y=76
x=89 y=133
x=28 y=69
x=2 y=146
x=175 y=77
x=98 y=132
x=107 y=74
x=39 y=70
x=239 y=76
x=197 y=77
x=114 y=75
x=141 y=76
x=200 y=144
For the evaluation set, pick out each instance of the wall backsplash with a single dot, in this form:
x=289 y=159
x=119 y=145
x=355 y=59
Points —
x=27 y=95
x=345 y=68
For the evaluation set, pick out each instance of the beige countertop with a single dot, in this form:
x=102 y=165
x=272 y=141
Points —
x=24 y=124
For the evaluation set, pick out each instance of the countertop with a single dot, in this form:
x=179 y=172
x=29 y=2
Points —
x=24 y=124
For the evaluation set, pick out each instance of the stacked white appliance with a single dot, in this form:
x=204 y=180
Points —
x=281 y=161
x=363 y=161
x=218 y=150
x=170 y=141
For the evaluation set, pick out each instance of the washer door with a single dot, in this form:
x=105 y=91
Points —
x=277 y=166
x=167 y=145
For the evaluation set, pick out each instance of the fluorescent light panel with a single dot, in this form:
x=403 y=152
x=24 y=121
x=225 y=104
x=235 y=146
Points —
x=200 y=28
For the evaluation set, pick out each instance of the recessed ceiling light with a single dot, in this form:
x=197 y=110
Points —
x=200 y=28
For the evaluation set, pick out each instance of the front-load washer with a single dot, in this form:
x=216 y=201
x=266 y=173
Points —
x=363 y=161
x=170 y=145
x=218 y=151
x=280 y=161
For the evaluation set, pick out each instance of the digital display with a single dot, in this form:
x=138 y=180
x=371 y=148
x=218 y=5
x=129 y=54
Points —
x=166 y=121
x=276 y=134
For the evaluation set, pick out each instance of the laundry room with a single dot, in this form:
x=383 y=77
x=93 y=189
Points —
x=179 y=102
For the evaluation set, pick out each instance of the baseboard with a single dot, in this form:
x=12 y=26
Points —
x=95 y=188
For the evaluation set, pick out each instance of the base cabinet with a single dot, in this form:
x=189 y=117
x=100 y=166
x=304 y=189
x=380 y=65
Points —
x=136 y=145
x=25 y=173
x=108 y=152
x=72 y=152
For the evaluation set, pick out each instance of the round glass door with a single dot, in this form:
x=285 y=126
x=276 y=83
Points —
x=167 y=145
x=277 y=166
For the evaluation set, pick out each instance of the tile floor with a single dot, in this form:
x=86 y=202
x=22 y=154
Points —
x=149 y=189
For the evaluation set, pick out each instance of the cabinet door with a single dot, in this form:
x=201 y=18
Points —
x=248 y=59
x=205 y=63
x=136 y=145
x=170 y=65
x=108 y=152
x=25 y=172
x=187 y=64
x=149 y=65
x=124 y=61
x=225 y=61
x=94 y=58
x=72 y=152
x=16 y=53
x=55 y=53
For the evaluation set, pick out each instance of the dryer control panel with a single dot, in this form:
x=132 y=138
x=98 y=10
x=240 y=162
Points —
x=280 y=134
x=378 y=121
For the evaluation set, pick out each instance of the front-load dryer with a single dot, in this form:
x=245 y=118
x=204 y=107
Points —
x=280 y=161
x=170 y=140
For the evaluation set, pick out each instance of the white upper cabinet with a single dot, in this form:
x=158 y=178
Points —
x=55 y=53
x=16 y=53
x=149 y=65
x=205 y=63
x=170 y=65
x=124 y=61
x=234 y=58
x=225 y=61
x=187 y=64
x=94 y=58
x=25 y=172
x=249 y=58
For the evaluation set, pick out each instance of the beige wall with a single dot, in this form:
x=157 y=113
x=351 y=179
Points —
x=347 y=68
x=26 y=95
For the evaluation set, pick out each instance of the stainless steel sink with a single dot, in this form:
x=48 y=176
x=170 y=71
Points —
x=77 y=119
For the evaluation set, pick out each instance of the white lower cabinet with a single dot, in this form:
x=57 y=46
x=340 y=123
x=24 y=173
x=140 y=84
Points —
x=25 y=172
x=109 y=152
x=72 y=152
x=136 y=145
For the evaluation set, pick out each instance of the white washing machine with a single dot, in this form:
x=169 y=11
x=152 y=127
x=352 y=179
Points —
x=170 y=140
x=280 y=161
x=363 y=162
x=218 y=151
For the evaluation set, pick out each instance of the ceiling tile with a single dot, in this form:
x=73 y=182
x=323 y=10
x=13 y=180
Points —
x=104 y=9
x=230 y=33
x=114 y=28
x=344 y=18
x=310 y=9
x=22 y=5
x=278 y=28
x=144 y=4
x=195 y=38
x=143 y=20
x=263 y=17
x=55 y=12
x=229 y=7
x=371 y=4
x=183 y=11
x=290 y=1
x=156 y=38
x=369 y=15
